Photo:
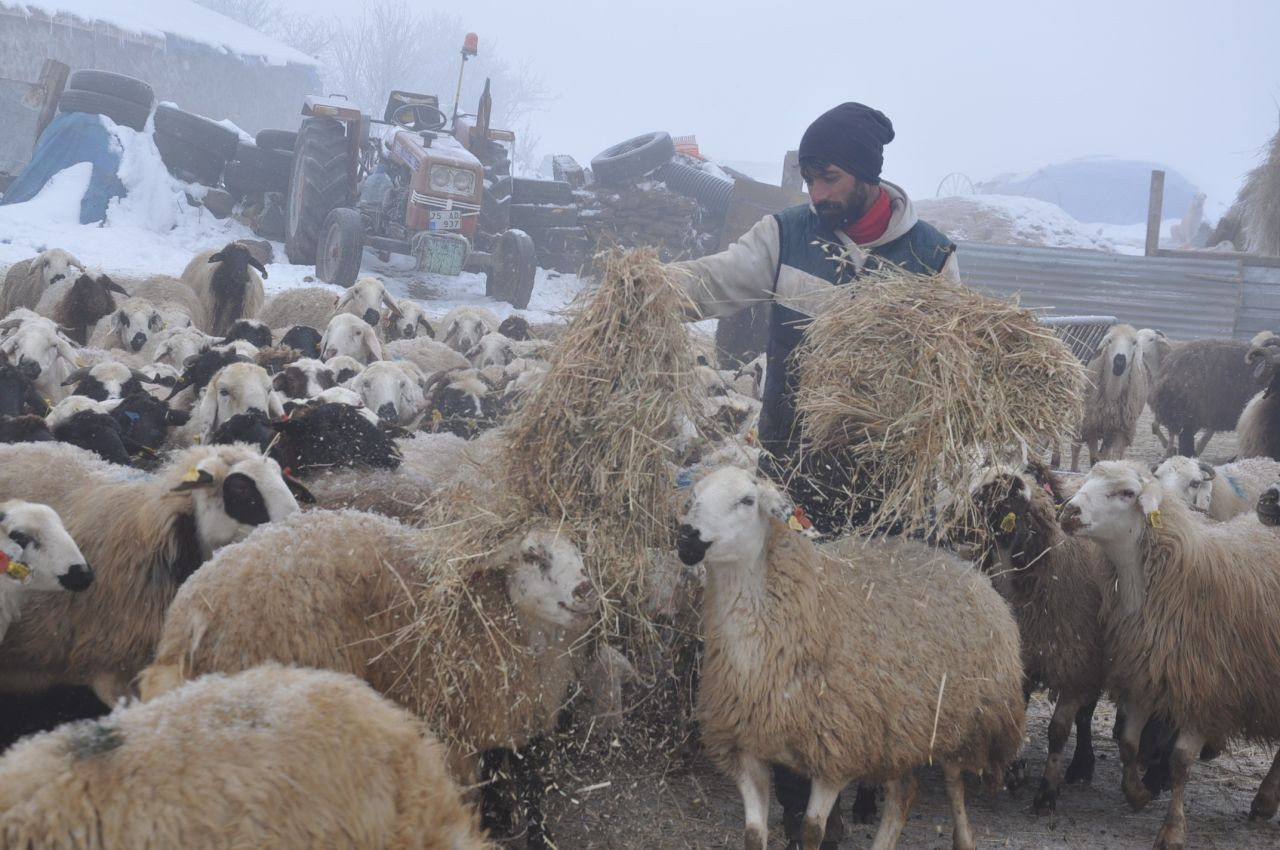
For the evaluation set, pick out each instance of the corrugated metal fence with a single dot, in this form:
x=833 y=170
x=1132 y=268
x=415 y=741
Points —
x=1187 y=298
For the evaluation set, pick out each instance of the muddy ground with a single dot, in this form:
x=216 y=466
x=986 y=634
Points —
x=628 y=802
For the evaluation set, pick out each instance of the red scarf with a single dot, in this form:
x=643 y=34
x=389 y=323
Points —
x=874 y=223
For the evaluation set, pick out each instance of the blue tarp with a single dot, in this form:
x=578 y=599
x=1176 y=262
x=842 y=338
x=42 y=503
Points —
x=70 y=138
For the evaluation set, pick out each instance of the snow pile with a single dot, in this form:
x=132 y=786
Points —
x=56 y=207
x=156 y=201
x=1011 y=220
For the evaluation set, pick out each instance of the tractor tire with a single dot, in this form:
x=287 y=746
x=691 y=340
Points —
x=189 y=162
x=277 y=140
x=275 y=167
x=540 y=216
x=341 y=247
x=514 y=266
x=126 y=113
x=526 y=191
x=633 y=159
x=117 y=85
x=320 y=182
x=198 y=131
x=241 y=179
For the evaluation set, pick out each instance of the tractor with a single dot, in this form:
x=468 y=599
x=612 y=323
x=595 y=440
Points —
x=414 y=183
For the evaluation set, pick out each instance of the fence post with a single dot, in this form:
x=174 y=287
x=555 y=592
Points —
x=1155 y=207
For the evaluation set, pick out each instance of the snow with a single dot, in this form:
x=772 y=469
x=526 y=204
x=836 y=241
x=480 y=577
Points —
x=56 y=207
x=181 y=18
x=1011 y=220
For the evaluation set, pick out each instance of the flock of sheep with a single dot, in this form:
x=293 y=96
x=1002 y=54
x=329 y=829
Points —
x=160 y=437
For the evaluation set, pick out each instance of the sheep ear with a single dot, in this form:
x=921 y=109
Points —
x=216 y=258
x=391 y=305
x=426 y=326
x=194 y=480
x=1150 y=498
x=76 y=377
x=253 y=261
x=771 y=500
x=1208 y=471
x=298 y=489
x=108 y=283
x=372 y=345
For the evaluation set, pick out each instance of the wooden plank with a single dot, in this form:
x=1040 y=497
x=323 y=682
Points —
x=1155 y=206
x=53 y=79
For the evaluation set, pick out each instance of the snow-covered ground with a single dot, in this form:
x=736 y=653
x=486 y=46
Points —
x=155 y=230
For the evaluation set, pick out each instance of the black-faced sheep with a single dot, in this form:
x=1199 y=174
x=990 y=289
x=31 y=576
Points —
x=144 y=422
x=272 y=757
x=249 y=330
x=18 y=394
x=36 y=555
x=1258 y=430
x=320 y=437
x=1221 y=492
x=27 y=280
x=516 y=328
x=1051 y=583
x=1189 y=613
x=507 y=656
x=78 y=306
x=1204 y=385
x=83 y=422
x=104 y=381
x=462 y=327
x=227 y=286
x=349 y=335
x=24 y=429
x=1114 y=397
x=143 y=537
x=304 y=339
x=796 y=645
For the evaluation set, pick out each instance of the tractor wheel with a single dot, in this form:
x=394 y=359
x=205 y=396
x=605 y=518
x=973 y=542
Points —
x=514 y=265
x=632 y=159
x=341 y=247
x=117 y=85
x=320 y=182
x=124 y=112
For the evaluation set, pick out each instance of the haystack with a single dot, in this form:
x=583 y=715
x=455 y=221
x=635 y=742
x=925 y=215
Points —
x=911 y=379
x=1259 y=204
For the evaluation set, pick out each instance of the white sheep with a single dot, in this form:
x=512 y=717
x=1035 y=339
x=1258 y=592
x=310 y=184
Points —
x=143 y=536
x=393 y=390
x=748 y=379
x=312 y=306
x=462 y=327
x=177 y=302
x=1189 y=613
x=797 y=642
x=234 y=389
x=133 y=324
x=43 y=355
x=493 y=349
x=343 y=367
x=1223 y=491
x=26 y=280
x=272 y=757
x=364 y=298
x=36 y=555
x=1117 y=393
x=412 y=321
x=427 y=354
x=227 y=286
x=349 y=335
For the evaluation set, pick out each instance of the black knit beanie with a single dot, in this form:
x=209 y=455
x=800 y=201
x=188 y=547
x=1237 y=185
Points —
x=852 y=137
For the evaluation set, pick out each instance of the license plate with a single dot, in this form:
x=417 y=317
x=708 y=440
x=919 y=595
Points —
x=444 y=220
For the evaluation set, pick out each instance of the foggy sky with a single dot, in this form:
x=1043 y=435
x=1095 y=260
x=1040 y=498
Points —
x=979 y=87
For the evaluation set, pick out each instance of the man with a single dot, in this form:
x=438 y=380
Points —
x=855 y=223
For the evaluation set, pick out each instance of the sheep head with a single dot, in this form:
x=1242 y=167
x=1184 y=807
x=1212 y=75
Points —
x=727 y=518
x=304 y=339
x=303 y=378
x=249 y=330
x=177 y=345
x=349 y=335
x=411 y=321
x=37 y=551
x=238 y=388
x=85 y=302
x=42 y=355
x=464 y=327
x=1188 y=479
x=517 y=328
x=55 y=265
x=105 y=381
x=1264 y=358
x=1268 y=508
x=1118 y=352
x=547 y=581
x=135 y=323
x=393 y=390
x=493 y=349
x=364 y=298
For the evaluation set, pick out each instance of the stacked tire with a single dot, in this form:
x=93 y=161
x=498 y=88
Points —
x=193 y=147
x=495 y=205
x=262 y=167
x=125 y=100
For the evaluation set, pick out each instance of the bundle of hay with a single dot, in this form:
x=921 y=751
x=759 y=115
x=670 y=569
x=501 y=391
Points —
x=1259 y=204
x=912 y=379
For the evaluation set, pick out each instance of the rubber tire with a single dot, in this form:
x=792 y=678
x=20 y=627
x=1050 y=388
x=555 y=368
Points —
x=117 y=85
x=495 y=204
x=198 y=131
x=341 y=247
x=126 y=113
x=242 y=178
x=277 y=140
x=320 y=182
x=526 y=191
x=268 y=161
x=188 y=162
x=531 y=215
x=632 y=159
x=515 y=266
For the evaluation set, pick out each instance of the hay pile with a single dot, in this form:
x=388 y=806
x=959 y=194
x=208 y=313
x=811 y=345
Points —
x=915 y=377
x=1259 y=204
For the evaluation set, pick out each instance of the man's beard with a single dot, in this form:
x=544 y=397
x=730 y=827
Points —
x=833 y=215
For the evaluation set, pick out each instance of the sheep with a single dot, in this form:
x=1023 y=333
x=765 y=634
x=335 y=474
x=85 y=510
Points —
x=43 y=355
x=1258 y=429
x=364 y=298
x=516 y=328
x=36 y=555
x=249 y=330
x=144 y=536
x=238 y=388
x=227 y=287
x=131 y=327
x=106 y=381
x=173 y=346
x=1051 y=584
x=197 y=371
x=78 y=305
x=1221 y=492
x=1262 y=338
x=460 y=402
x=177 y=302
x=1154 y=347
x=303 y=378
x=427 y=354
x=343 y=367
x=144 y=422
x=1268 y=508
x=509 y=667
x=493 y=349
x=411 y=322
x=315 y=437
x=24 y=429
x=271 y=757
x=393 y=390
x=312 y=306
x=462 y=327
x=304 y=339
x=86 y=423
x=349 y=335
x=1204 y=385
x=1189 y=612
x=1115 y=397
x=18 y=394
x=797 y=642
x=26 y=280
x=748 y=379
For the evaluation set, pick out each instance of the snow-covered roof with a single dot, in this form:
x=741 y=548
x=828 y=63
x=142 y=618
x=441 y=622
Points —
x=160 y=18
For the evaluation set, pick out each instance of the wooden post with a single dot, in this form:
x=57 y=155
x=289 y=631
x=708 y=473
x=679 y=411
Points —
x=53 y=79
x=1155 y=207
x=791 y=172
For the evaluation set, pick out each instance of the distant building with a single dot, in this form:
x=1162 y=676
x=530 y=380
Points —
x=200 y=60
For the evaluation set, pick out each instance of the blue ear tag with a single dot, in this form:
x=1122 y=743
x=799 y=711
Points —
x=684 y=478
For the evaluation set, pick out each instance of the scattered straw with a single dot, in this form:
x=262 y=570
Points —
x=913 y=378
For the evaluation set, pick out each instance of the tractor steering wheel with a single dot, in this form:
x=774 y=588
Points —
x=420 y=116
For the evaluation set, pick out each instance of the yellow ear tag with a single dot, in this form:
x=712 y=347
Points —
x=18 y=570
x=199 y=438
x=1154 y=519
x=436 y=417
x=1009 y=523
x=193 y=474
x=793 y=522
x=48 y=402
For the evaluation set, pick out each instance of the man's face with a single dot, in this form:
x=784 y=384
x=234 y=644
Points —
x=838 y=196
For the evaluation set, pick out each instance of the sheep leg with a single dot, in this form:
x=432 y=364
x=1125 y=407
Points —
x=899 y=794
x=822 y=796
x=753 y=785
x=1267 y=801
x=1064 y=713
x=1187 y=442
x=1159 y=434
x=1204 y=441
x=1075 y=456
x=1137 y=795
x=1081 y=767
x=864 y=803
x=961 y=832
x=1173 y=833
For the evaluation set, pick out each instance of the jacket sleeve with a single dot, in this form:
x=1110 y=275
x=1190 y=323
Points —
x=741 y=275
